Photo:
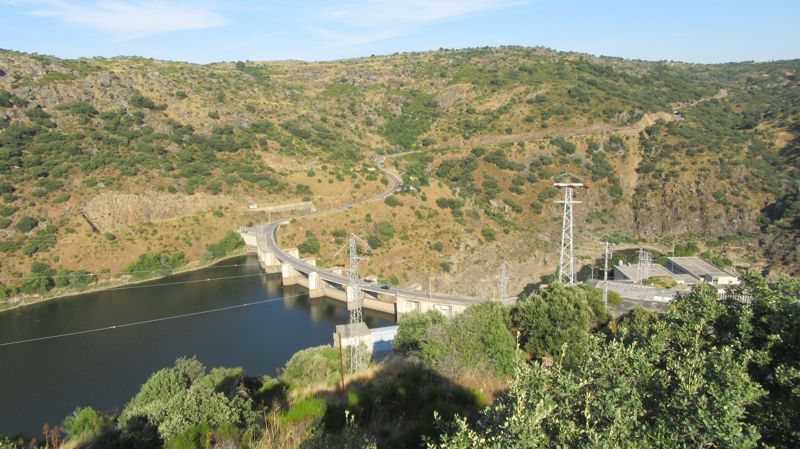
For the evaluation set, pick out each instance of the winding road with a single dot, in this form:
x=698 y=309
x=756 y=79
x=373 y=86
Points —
x=270 y=232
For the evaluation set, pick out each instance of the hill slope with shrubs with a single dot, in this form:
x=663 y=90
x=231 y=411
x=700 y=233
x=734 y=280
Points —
x=670 y=150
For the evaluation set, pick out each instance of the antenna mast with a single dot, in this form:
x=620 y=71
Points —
x=566 y=266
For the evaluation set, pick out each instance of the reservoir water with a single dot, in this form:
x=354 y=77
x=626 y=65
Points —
x=44 y=381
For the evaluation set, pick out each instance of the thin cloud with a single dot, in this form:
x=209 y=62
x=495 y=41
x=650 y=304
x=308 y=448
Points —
x=128 y=19
x=359 y=22
x=336 y=39
x=377 y=13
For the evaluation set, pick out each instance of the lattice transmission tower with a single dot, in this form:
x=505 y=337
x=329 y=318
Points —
x=566 y=265
x=503 y=285
x=607 y=255
x=355 y=303
x=643 y=268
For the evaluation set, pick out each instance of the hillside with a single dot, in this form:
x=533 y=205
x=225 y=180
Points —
x=115 y=157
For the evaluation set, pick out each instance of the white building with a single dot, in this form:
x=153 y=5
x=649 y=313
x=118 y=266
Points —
x=701 y=270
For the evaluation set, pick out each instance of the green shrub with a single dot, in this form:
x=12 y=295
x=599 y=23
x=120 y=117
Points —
x=614 y=299
x=374 y=241
x=317 y=365
x=230 y=242
x=513 y=205
x=140 y=101
x=392 y=201
x=477 y=340
x=488 y=234
x=7 y=211
x=310 y=245
x=687 y=249
x=41 y=241
x=499 y=158
x=412 y=328
x=85 y=422
x=556 y=321
x=303 y=409
x=7 y=443
x=26 y=223
x=155 y=264
x=39 y=281
x=175 y=403
x=386 y=229
x=78 y=280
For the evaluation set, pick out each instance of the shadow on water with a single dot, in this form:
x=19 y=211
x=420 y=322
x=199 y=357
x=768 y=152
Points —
x=44 y=381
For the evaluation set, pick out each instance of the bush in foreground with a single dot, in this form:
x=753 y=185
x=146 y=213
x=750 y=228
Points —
x=477 y=340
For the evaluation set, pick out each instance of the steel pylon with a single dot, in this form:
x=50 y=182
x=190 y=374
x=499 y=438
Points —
x=566 y=264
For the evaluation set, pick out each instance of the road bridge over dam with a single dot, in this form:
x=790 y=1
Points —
x=335 y=284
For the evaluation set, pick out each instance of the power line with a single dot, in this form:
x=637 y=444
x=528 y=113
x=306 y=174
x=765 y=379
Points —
x=150 y=321
x=162 y=284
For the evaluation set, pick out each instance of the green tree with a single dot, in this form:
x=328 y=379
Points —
x=479 y=339
x=310 y=245
x=412 y=328
x=39 y=281
x=386 y=230
x=311 y=366
x=177 y=399
x=374 y=241
x=85 y=423
x=682 y=382
x=62 y=277
x=229 y=242
x=556 y=321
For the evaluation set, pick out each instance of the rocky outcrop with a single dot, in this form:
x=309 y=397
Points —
x=110 y=210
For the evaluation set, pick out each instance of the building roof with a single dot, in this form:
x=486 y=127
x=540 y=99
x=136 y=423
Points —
x=686 y=278
x=699 y=267
x=656 y=270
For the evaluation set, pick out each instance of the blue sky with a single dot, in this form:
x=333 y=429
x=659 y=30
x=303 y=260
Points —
x=216 y=30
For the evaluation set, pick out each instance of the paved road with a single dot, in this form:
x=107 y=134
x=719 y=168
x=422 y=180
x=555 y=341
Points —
x=270 y=231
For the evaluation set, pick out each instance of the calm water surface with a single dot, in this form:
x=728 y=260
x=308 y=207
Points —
x=44 y=381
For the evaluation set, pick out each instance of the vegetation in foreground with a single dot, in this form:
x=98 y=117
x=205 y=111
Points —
x=710 y=372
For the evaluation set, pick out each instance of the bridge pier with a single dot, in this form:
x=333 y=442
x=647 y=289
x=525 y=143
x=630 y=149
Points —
x=316 y=286
x=350 y=295
x=269 y=262
x=288 y=274
x=296 y=272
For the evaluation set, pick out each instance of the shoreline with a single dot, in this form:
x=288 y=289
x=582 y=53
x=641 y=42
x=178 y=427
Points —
x=188 y=268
